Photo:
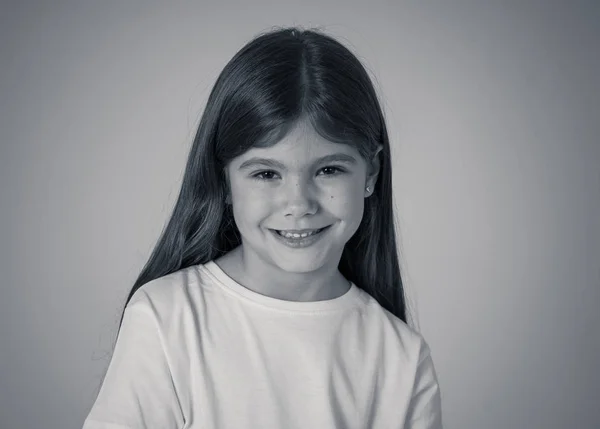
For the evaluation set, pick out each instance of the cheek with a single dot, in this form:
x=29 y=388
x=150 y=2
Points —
x=345 y=200
x=353 y=209
x=347 y=204
x=249 y=207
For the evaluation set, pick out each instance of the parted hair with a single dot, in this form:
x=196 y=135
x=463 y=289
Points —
x=277 y=79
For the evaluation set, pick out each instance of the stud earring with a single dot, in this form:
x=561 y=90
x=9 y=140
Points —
x=368 y=189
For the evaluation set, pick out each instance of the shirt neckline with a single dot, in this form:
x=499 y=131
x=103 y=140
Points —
x=341 y=302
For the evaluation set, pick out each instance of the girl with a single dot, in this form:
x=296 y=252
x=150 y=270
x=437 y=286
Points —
x=273 y=298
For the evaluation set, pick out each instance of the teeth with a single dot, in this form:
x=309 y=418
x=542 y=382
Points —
x=295 y=235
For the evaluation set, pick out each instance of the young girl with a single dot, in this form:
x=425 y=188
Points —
x=273 y=298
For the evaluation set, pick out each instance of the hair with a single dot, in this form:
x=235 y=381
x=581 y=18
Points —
x=277 y=79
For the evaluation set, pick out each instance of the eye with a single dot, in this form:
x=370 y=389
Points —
x=260 y=175
x=265 y=175
x=337 y=170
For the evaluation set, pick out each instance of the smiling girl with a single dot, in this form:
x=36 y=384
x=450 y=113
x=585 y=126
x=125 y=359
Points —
x=273 y=298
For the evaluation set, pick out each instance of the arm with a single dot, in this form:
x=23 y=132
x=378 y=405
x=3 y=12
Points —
x=425 y=410
x=138 y=391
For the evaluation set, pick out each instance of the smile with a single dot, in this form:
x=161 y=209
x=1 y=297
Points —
x=298 y=241
x=298 y=235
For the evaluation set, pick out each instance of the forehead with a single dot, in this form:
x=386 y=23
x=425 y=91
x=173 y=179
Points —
x=301 y=144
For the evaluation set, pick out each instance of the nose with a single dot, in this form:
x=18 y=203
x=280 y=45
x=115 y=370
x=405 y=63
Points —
x=299 y=199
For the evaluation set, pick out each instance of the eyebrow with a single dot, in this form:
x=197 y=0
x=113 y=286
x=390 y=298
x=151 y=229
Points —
x=272 y=163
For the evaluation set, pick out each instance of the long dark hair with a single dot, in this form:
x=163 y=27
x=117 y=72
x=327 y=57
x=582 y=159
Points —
x=275 y=80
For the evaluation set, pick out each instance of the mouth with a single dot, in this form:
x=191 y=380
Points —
x=305 y=234
x=300 y=241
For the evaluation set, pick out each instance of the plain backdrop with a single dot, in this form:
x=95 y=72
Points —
x=494 y=117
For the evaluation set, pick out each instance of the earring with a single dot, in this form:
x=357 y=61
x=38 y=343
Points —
x=368 y=189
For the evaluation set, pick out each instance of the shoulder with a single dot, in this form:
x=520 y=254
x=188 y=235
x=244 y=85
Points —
x=410 y=377
x=166 y=297
x=399 y=338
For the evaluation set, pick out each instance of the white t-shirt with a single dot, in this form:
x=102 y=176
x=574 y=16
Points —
x=197 y=350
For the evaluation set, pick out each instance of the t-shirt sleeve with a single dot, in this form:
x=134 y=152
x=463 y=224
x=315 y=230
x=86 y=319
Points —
x=425 y=409
x=138 y=390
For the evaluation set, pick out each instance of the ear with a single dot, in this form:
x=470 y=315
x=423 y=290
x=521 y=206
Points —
x=373 y=169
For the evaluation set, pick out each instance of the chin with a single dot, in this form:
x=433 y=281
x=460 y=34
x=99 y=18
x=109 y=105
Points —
x=299 y=268
x=301 y=263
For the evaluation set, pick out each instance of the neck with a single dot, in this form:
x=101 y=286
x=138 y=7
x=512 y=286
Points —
x=250 y=271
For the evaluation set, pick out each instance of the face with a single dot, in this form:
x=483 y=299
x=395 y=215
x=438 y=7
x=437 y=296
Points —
x=298 y=189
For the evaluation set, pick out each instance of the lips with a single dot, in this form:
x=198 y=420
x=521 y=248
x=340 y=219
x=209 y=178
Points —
x=306 y=231
x=299 y=231
x=300 y=242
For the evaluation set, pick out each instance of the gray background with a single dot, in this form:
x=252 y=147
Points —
x=494 y=117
